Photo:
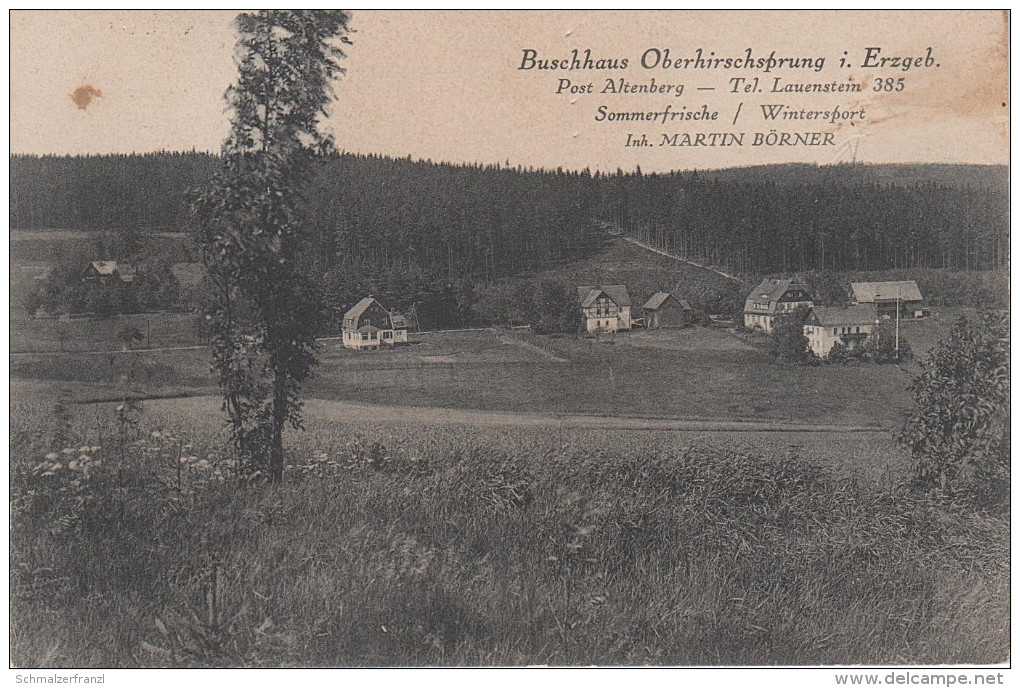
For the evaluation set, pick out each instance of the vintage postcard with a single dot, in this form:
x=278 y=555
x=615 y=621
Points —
x=502 y=339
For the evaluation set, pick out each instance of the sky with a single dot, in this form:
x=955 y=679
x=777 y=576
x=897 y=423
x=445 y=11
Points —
x=447 y=86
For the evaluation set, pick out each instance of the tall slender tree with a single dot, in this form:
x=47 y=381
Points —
x=250 y=222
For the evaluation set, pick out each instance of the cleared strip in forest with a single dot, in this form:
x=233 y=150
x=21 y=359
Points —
x=645 y=246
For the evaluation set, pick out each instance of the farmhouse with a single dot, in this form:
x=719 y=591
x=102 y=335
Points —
x=666 y=310
x=771 y=298
x=108 y=272
x=368 y=326
x=888 y=295
x=606 y=308
x=850 y=326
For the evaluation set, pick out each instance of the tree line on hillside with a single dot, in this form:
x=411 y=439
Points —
x=834 y=223
x=373 y=213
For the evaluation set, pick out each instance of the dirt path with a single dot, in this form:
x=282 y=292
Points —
x=321 y=409
x=682 y=260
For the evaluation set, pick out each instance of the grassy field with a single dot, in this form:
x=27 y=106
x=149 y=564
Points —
x=693 y=373
x=448 y=545
x=697 y=372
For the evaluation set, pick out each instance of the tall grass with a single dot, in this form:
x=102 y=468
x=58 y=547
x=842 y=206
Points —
x=419 y=546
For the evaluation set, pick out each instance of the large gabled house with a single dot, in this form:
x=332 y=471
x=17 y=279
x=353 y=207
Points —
x=665 y=310
x=605 y=308
x=850 y=326
x=886 y=296
x=772 y=298
x=369 y=326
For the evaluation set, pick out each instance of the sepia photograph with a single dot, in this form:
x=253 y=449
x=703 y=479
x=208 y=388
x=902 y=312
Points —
x=434 y=339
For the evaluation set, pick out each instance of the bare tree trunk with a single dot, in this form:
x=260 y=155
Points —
x=279 y=420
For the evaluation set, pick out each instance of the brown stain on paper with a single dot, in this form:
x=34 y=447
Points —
x=84 y=95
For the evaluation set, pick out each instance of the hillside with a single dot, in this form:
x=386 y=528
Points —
x=376 y=214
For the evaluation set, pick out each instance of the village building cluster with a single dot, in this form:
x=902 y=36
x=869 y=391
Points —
x=850 y=325
x=609 y=308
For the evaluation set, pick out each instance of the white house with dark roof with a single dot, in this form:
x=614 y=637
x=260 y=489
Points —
x=850 y=326
x=886 y=296
x=605 y=308
x=369 y=326
x=772 y=298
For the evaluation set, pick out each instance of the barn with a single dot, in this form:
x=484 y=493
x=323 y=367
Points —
x=665 y=310
x=888 y=296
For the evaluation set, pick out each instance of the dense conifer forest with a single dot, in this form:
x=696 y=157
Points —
x=449 y=222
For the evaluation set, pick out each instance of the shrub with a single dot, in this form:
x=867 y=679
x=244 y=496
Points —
x=958 y=434
x=787 y=341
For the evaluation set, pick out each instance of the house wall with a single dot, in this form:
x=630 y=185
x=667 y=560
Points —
x=667 y=316
x=758 y=321
x=822 y=339
x=606 y=317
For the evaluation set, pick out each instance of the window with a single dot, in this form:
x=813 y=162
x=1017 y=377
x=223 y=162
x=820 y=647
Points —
x=834 y=330
x=387 y=335
x=858 y=329
x=364 y=336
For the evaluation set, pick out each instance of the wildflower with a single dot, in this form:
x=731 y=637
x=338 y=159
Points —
x=56 y=467
x=84 y=450
x=68 y=451
x=93 y=449
x=156 y=434
x=73 y=465
x=52 y=456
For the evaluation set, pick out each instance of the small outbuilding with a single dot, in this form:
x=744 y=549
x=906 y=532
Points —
x=665 y=310
x=107 y=272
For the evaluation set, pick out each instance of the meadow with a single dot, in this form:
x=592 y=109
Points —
x=697 y=372
x=449 y=545
x=432 y=538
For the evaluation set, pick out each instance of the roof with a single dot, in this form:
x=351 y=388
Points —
x=839 y=316
x=398 y=321
x=870 y=292
x=617 y=293
x=105 y=267
x=111 y=268
x=771 y=290
x=368 y=328
x=660 y=297
x=359 y=308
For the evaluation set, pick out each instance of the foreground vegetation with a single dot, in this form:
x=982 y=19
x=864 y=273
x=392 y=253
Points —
x=445 y=546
